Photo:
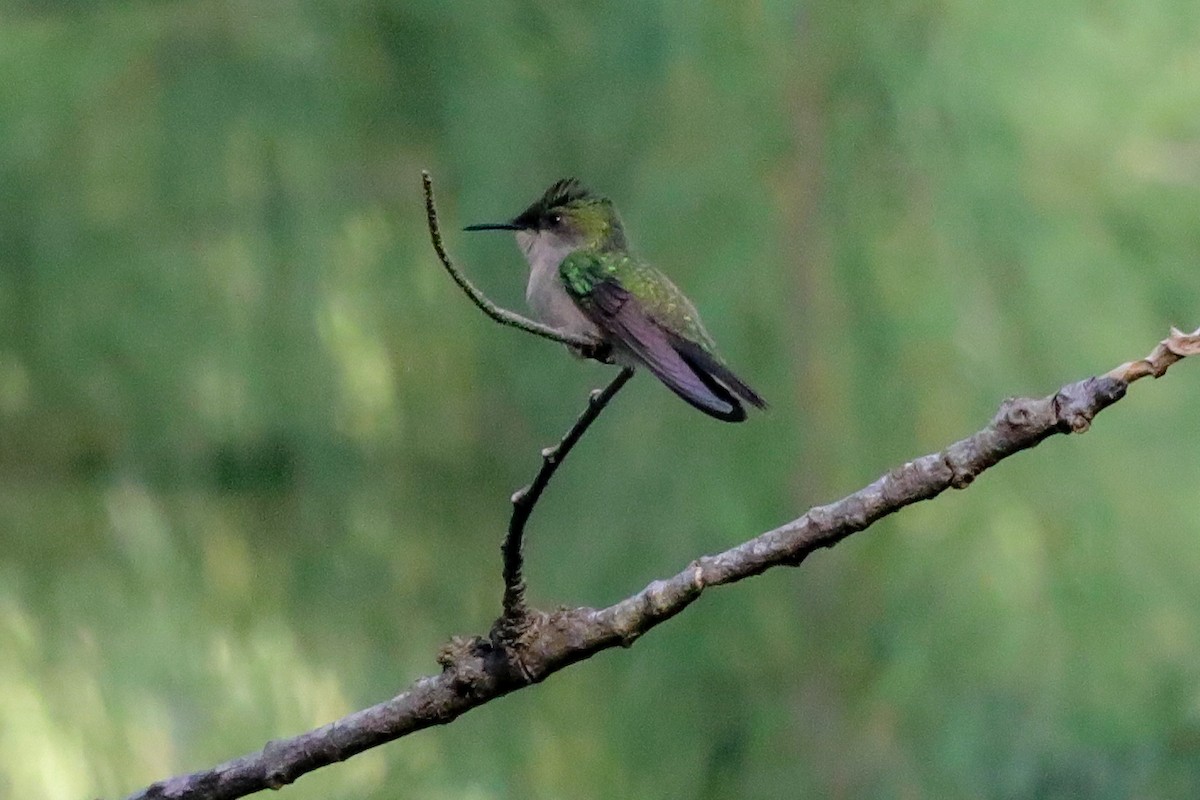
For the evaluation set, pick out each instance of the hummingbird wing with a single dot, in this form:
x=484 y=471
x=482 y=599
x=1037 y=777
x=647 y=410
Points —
x=622 y=318
x=686 y=367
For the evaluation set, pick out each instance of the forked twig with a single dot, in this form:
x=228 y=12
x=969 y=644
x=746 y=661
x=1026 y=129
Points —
x=479 y=669
x=514 y=609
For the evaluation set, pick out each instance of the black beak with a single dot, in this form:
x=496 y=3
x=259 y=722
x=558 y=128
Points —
x=494 y=226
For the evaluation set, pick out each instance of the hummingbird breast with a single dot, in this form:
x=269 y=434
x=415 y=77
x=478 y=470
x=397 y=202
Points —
x=545 y=294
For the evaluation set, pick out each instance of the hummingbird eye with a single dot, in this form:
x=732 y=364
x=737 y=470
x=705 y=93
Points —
x=556 y=219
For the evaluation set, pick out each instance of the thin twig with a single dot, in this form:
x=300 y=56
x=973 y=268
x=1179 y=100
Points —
x=1176 y=346
x=525 y=499
x=584 y=345
x=475 y=671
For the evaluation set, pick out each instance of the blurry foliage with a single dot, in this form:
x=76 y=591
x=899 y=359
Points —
x=255 y=449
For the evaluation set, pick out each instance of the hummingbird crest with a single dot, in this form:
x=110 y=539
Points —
x=570 y=211
x=564 y=192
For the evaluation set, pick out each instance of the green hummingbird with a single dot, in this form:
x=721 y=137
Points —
x=583 y=280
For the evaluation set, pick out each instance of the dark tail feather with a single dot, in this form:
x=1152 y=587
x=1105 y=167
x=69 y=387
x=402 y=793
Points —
x=707 y=368
x=729 y=410
x=696 y=387
x=735 y=413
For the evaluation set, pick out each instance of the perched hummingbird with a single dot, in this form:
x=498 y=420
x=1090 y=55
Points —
x=584 y=281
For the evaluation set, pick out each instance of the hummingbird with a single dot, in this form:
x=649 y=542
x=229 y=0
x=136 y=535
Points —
x=585 y=281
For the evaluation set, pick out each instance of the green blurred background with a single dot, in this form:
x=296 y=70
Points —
x=256 y=449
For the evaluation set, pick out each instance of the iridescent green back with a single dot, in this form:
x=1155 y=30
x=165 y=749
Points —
x=659 y=297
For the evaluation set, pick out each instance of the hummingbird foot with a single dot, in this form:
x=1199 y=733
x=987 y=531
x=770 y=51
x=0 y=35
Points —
x=599 y=350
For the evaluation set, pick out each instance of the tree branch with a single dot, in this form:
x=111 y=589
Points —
x=515 y=611
x=477 y=670
x=585 y=346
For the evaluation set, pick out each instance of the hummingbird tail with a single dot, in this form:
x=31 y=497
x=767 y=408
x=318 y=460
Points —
x=717 y=401
x=706 y=365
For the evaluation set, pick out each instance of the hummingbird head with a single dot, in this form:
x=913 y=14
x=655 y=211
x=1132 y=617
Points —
x=567 y=217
